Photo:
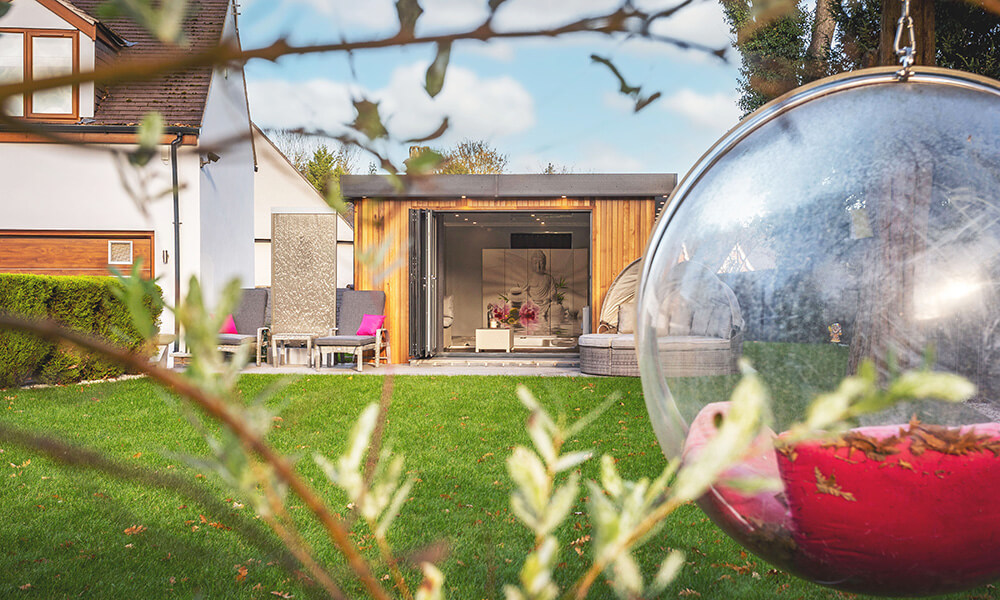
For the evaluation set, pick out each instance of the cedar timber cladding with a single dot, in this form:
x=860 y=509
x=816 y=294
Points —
x=71 y=252
x=620 y=230
x=180 y=96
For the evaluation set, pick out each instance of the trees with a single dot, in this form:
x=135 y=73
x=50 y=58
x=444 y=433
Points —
x=325 y=167
x=790 y=46
x=472 y=157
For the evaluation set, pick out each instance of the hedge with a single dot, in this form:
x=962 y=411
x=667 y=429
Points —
x=87 y=304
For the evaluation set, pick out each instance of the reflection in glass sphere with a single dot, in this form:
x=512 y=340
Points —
x=855 y=219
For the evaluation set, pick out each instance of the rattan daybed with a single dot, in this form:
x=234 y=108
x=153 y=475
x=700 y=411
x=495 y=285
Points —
x=700 y=331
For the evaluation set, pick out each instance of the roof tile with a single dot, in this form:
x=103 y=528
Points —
x=179 y=96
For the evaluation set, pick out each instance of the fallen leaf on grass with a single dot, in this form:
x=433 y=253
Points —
x=135 y=529
x=687 y=592
x=282 y=595
x=241 y=572
x=25 y=586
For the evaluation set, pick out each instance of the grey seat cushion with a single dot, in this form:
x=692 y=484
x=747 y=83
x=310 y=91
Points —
x=344 y=340
x=235 y=339
x=354 y=306
x=251 y=313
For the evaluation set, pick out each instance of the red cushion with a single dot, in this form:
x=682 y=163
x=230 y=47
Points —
x=229 y=326
x=913 y=522
x=370 y=324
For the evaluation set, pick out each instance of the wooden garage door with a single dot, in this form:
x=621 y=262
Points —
x=75 y=252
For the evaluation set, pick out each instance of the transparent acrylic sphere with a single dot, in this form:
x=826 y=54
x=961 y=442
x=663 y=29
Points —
x=856 y=218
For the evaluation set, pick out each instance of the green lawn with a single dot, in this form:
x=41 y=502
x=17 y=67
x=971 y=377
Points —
x=63 y=530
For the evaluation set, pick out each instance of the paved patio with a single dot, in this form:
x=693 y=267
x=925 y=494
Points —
x=422 y=369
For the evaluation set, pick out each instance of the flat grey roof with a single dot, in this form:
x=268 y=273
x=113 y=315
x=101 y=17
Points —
x=621 y=185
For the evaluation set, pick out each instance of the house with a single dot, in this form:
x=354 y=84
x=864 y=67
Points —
x=80 y=208
x=461 y=251
x=279 y=185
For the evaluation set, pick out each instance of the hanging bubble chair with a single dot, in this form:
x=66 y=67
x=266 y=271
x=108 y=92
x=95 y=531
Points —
x=855 y=219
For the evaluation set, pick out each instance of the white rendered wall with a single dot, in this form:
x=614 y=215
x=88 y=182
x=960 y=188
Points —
x=227 y=184
x=278 y=185
x=29 y=14
x=54 y=187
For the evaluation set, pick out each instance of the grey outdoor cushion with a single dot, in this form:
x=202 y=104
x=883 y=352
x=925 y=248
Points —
x=235 y=339
x=344 y=340
x=355 y=304
x=251 y=313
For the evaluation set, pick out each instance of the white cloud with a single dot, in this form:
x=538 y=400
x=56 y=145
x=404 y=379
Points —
x=702 y=22
x=618 y=102
x=714 y=111
x=477 y=107
x=603 y=158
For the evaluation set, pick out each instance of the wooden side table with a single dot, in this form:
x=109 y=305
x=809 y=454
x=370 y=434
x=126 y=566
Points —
x=494 y=339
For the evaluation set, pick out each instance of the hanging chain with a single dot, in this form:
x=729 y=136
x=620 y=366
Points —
x=905 y=53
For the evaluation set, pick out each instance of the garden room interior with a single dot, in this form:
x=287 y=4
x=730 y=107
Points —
x=519 y=270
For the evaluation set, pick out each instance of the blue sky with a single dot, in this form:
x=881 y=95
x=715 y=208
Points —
x=537 y=101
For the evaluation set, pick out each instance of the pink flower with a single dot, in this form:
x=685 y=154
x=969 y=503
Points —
x=529 y=314
x=500 y=312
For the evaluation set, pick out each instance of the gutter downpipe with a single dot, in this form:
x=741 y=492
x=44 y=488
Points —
x=177 y=237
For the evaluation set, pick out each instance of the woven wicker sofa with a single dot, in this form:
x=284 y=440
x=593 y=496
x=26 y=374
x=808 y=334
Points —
x=700 y=331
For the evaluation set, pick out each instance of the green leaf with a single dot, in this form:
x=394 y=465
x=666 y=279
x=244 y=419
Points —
x=536 y=574
x=368 y=120
x=431 y=588
x=559 y=506
x=528 y=473
x=424 y=161
x=512 y=593
x=361 y=435
x=165 y=21
x=742 y=424
x=147 y=139
x=591 y=416
x=610 y=479
x=134 y=292
x=398 y=499
x=948 y=387
x=434 y=80
x=541 y=438
x=626 y=576
x=4 y=7
x=408 y=12
x=568 y=461
x=668 y=571
x=529 y=402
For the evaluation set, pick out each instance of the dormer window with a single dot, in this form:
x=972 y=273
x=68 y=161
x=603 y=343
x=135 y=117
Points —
x=40 y=54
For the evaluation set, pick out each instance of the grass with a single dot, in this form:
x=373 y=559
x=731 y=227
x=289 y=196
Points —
x=63 y=531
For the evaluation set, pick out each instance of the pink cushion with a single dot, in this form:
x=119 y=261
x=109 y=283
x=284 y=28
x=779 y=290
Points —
x=738 y=512
x=229 y=326
x=370 y=324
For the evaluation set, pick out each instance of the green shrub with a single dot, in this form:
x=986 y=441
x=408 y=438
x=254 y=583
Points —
x=87 y=304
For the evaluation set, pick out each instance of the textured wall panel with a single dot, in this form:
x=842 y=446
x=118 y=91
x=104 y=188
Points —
x=303 y=272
